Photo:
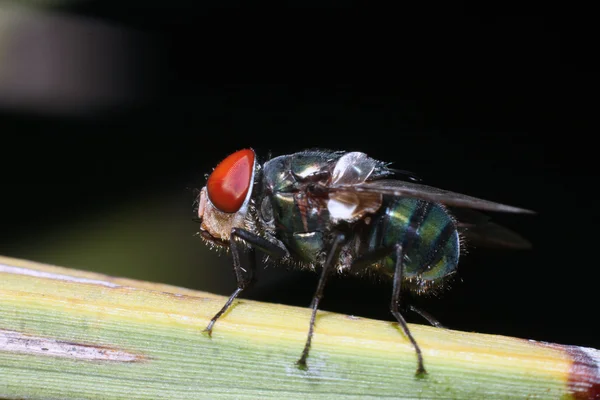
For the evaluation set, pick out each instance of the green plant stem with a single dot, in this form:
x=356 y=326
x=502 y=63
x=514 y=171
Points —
x=70 y=334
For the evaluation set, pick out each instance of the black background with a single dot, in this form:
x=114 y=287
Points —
x=492 y=107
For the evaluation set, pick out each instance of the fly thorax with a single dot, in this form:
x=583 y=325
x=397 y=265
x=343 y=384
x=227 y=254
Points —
x=265 y=219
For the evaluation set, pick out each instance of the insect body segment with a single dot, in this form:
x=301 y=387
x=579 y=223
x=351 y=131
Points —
x=341 y=212
x=428 y=235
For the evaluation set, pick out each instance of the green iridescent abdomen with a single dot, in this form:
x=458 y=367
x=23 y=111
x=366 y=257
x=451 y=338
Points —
x=428 y=236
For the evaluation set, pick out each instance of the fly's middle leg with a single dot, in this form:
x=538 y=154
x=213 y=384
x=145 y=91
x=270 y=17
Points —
x=327 y=268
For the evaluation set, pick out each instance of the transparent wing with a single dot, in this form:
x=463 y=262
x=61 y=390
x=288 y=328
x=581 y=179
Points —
x=409 y=189
x=494 y=235
x=479 y=230
x=404 y=175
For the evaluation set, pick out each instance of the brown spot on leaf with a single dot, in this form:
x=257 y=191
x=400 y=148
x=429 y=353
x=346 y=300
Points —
x=20 y=343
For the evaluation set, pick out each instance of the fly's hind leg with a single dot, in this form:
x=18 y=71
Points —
x=327 y=268
x=377 y=255
x=245 y=277
x=428 y=317
x=398 y=275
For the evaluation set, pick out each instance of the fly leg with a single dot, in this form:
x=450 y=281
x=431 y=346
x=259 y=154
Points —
x=434 y=322
x=398 y=274
x=377 y=255
x=327 y=267
x=245 y=277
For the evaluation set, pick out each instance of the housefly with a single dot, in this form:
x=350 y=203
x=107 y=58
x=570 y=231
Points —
x=342 y=212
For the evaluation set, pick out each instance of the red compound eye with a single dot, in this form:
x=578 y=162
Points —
x=229 y=183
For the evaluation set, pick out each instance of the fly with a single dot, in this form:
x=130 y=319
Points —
x=344 y=212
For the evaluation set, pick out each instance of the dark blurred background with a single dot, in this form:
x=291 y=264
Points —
x=111 y=115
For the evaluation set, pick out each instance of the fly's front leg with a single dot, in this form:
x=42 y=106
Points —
x=243 y=277
x=377 y=255
x=327 y=268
